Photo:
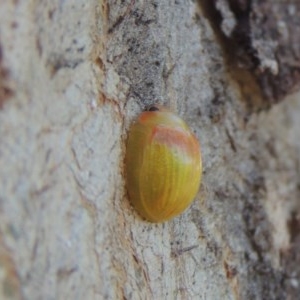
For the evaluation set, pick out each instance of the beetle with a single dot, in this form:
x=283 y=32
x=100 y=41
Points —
x=162 y=163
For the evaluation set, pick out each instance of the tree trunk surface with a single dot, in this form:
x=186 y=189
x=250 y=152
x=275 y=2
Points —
x=74 y=75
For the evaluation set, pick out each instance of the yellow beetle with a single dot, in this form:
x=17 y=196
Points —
x=163 y=164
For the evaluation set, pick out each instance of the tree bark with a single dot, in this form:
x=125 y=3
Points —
x=73 y=77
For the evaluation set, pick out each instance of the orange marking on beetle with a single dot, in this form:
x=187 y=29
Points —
x=145 y=116
x=173 y=138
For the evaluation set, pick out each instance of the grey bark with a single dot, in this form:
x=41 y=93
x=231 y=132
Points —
x=73 y=76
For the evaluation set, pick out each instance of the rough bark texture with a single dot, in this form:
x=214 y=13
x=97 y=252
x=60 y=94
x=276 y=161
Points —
x=73 y=76
x=262 y=42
